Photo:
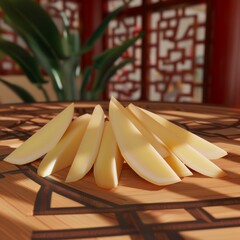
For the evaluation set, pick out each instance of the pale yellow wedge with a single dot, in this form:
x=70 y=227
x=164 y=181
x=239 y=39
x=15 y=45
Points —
x=43 y=140
x=88 y=149
x=180 y=169
x=147 y=134
x=140 y=155
x=108 y=165
x=183 y=151
x=209 y=150
x=177 y=165
x=62 y=155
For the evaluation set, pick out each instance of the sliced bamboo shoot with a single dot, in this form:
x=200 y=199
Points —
x=177 y=165
x=108 y=165
x=183 y=151
x=180 y=169
x=141 y=156
x=147 y=134
x=206 y=148
x=43 y=140
x=62 y=155
x=88 y=149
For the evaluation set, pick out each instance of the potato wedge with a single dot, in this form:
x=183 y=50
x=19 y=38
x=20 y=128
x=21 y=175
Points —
x=108 y=165
x=43 y=140
x=62 y=155
x=192 y=158
x=88 y=149
x=140 y=155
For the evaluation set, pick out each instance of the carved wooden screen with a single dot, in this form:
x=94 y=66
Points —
x=54 y=8
x=169 y=59
x=7 y=65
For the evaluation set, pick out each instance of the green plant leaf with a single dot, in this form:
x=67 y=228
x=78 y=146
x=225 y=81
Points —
x=21 y=92
x=30 y=17
x=85 y=80
x=70 y=40
x=97 y=59
x=110 y=72
x=25 y=61
x=31 y=42
x=45 y=59
x=111 y=57
x=71 y=45
x=69 y=74
x=101 y=29
x=28 y=64
x=51 y=66
x=65 y=21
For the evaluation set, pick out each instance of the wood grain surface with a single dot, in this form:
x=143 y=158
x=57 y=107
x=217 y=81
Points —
x=32 y=207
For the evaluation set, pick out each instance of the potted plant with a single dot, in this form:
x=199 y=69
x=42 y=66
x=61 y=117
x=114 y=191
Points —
x=58 y=53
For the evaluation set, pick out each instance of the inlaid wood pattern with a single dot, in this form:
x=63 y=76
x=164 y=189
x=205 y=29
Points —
x=32 y=207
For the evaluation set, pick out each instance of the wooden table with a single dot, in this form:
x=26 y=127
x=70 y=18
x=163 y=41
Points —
x=32 y=207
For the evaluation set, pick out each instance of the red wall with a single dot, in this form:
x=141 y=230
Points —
x=222 y=73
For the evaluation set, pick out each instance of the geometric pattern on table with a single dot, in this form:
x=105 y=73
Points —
x=149 y=220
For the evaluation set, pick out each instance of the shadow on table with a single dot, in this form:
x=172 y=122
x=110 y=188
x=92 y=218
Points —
x=124 y=207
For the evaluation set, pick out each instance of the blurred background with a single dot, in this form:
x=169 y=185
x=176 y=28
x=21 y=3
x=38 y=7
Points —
x=189 y=51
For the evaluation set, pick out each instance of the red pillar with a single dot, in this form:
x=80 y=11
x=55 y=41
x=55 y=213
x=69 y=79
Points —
x=222 y=75
x=91 y=16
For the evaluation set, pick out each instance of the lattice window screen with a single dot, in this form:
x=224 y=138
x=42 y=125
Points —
x=54 y=8
x=127 y=82
x=170 y=61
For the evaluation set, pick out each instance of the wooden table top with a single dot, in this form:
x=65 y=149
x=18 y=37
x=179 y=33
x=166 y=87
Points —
x=32 y=207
